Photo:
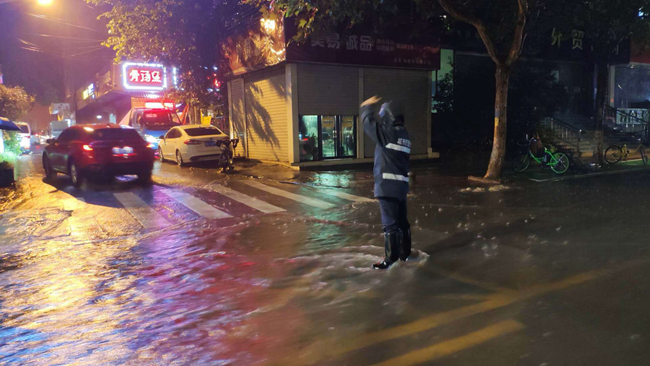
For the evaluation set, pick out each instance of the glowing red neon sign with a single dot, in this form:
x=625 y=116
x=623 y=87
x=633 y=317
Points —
x=137 y=76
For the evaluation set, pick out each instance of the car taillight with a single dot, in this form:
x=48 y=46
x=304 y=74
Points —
x=192 y=142
x=87 y=148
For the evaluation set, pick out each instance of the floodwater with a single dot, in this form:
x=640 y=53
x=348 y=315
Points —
x=517 y=274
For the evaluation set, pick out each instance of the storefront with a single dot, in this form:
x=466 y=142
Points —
x=113 y=92
x=301 y=104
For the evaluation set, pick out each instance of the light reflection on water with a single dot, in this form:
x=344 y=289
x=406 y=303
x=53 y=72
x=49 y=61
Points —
x=200 y=294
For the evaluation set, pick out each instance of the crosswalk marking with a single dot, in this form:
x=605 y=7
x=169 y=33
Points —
x=148 y=217
x=347 y=196
x=196 y=205
x=246 y=200
x=292 y=196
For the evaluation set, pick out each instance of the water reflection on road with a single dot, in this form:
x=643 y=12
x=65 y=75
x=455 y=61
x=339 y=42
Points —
x=198 y=294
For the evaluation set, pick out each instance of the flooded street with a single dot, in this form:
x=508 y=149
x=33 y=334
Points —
x=203 y=268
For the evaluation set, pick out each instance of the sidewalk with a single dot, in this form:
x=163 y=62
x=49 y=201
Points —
x=541 y=174
x=353 y=176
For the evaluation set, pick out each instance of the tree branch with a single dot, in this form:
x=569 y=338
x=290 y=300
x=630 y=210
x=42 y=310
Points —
x=477 y=23
x=520 y=26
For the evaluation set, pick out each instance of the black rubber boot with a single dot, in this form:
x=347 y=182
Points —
x=391 y=247
x=405 y=247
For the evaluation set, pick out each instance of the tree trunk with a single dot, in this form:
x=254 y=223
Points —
x=500 y=123
x=601 y=95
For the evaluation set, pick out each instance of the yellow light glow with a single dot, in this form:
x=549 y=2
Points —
x=268 y=24
x=89 y=129
x=45 y=2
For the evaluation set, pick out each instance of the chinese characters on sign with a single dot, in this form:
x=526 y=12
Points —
x=144 y=76
x=557 y=38
x=398 y=53
x=577 y=37
x=353 y=43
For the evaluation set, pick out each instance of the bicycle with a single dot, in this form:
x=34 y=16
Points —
x=557 y=161
x=616 y=153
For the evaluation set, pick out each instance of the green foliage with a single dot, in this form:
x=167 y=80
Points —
x=12 y=142
x=323 y=16
x=14 y=102
x=7 y=160
x=183 y=33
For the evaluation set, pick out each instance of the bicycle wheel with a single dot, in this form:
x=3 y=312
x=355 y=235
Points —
x=613 y=154
x=561 y=163
x=521 y=163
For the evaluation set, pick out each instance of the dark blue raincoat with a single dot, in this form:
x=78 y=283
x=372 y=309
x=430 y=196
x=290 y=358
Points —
x=391 y=154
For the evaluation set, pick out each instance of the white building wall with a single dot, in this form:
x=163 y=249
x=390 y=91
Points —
x=266 y=115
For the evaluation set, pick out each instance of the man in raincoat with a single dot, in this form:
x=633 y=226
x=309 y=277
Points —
x=392 y=154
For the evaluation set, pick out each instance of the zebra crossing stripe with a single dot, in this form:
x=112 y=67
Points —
x=292 y=196
x=145 y=214
x=347 y=196
x=196 y=205
x=246 y=200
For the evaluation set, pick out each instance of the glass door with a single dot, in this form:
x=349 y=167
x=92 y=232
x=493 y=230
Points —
x=347 y=137
x=329 y=136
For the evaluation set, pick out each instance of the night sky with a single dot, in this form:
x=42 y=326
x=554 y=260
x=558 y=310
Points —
x=67 y=41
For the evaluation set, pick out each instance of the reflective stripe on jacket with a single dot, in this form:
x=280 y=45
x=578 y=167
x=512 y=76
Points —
x=392 y=154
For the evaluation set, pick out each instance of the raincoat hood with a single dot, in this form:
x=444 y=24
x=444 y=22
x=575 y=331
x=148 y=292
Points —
x=392 y=113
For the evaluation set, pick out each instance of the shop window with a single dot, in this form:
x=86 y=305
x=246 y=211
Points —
x=327 y=137
x=308 y=136
x=348 y=137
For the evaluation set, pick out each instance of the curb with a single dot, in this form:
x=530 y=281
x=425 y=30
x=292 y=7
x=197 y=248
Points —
x=588 y=175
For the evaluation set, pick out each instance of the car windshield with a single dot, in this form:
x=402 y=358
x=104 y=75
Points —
x=24 y=128
x=159 y=120
x=109 y=134
x=203 y=131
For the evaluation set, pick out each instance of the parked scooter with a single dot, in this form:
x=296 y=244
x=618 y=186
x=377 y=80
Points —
x=227 y=152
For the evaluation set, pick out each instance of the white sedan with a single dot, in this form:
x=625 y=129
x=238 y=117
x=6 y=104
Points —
x=185 y=144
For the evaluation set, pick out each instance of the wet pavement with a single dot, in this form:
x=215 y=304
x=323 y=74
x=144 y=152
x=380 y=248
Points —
x=272 y=267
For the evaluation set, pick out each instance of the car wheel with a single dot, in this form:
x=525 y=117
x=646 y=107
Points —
x=179 y=158
x=75 y=175
x=49 y=172
x=160 y=155
x=145 y=177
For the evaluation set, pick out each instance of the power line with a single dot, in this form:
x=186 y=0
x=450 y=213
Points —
x=63 y=37
x=62 y=22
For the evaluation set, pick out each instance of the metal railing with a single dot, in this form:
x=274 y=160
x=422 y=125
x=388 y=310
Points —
x=626 y=122
x=563 y=131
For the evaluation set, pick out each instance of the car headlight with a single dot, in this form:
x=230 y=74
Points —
x=150 y=139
